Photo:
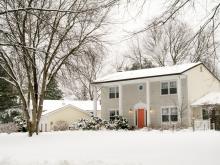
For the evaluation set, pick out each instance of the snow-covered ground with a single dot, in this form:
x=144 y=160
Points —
x=111 y=148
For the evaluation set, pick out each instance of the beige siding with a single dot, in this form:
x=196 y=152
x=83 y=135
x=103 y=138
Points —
x=106 y=103
x=99 y=114
x=197 y=112
x=158 y=101
x=200 y=83
x=131 y=96
x=185 y=106
x=68 y=114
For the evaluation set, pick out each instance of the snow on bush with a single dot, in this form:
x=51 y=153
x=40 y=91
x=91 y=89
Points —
x=8 y=127
x=8 y=115
x=61 y=126
x=95 y=123
x=20 y=122
x=13 y=115
x=118 y=123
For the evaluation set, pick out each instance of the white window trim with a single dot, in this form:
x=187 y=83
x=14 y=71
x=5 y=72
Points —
x=112 y=110
x=115 y=92
x=169 y=122
x=168 y=87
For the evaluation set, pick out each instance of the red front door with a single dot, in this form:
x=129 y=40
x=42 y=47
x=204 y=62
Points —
x=140 y=118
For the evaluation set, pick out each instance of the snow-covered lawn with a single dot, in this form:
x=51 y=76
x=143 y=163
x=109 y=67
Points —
x=111 y=148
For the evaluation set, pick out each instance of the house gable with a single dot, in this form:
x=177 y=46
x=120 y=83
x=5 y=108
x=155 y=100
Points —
x=200 y=82
x=68 y=114
x=69 y=106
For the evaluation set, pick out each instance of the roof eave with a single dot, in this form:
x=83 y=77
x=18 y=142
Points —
x=102 y=82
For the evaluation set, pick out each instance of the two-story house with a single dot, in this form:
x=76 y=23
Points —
x=156 y=96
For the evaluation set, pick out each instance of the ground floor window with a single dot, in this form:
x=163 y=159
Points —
x=173 y=114
x=113 y=114
x=169 y=114
x=165 y=114
x=205 y=114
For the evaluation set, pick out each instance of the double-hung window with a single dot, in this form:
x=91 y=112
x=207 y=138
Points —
x=169 y=114
x=173 y=87
x=164 y=88
x=165 y=114
x=168 y=88
x=113 y=114
x=173 y=114
x=205 y=114
x=113 y=92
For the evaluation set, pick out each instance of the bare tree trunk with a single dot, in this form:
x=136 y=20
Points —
x=31 y=128
x=37 y=127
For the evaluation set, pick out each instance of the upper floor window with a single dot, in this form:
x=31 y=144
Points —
x=113 y=92
x=168 y=88
x=173 y=88
x=164 y=88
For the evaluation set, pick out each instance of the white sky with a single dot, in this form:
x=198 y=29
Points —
x=132 y=18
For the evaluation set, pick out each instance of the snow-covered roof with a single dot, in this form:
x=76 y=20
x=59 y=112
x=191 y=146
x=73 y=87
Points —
x=52 y=105
x=146 y=73
x=212 y=98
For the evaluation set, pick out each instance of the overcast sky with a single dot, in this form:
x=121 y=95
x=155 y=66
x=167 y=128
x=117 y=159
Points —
x=133 y=17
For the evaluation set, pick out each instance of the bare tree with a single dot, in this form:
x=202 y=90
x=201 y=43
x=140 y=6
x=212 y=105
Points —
x=181 y=109
x=84 y=70
x=119 y=64
x=174 y=7
x=177 y=8
x=135 y=53
x=172 y=44
x=41 y=36
x=156 y=46
x=168 y=44
x=136 y=57
x=204 y=50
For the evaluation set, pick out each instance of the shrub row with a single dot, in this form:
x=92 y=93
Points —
x=96 y=123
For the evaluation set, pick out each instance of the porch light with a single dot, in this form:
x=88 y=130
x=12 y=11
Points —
x=130 y=110
x=151 y=110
